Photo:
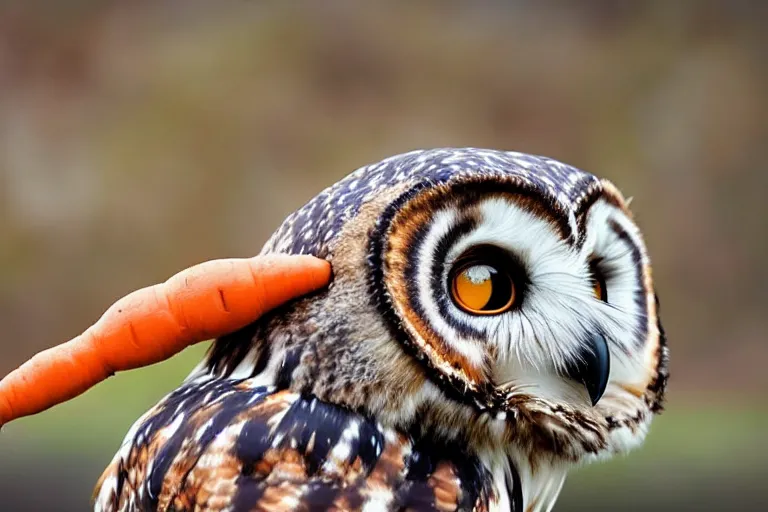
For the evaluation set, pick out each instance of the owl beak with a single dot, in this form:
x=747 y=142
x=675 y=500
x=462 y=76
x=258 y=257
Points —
x=592 y=367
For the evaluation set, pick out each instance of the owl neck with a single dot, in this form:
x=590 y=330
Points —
x=524 y=477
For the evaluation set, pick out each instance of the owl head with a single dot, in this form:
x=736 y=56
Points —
x=498 y=298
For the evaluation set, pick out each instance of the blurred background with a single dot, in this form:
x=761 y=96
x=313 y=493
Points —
x=138 y=138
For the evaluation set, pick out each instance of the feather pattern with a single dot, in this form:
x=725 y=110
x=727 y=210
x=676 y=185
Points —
x=228 y=445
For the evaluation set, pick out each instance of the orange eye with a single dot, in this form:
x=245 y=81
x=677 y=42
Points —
x=598 y=286
x=482 y=289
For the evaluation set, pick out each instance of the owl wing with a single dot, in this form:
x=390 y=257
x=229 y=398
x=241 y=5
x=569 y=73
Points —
x=228 y=445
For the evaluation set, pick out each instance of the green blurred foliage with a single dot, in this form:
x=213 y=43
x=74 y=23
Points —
x=137 y=138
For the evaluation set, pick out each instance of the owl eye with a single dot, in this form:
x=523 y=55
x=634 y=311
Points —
x=598 y=284
x=482 y=285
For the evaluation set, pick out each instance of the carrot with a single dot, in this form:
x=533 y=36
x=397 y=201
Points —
x=152 y=324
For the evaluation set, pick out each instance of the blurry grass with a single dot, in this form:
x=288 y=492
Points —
x=692 y=459
x=718 y=438
x=697 y=440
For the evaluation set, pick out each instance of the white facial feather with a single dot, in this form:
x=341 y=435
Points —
x=440 y=225
x=534 y=342
x=628 y=365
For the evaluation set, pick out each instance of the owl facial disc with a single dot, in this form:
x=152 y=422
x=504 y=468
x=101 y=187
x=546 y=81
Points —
x=512 y=281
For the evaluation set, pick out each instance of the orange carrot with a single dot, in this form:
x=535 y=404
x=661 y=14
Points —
x=152 y=324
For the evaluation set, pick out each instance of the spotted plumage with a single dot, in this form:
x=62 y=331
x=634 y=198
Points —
x=225 y=444
x=387 y=391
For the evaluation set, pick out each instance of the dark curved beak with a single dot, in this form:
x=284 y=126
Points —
x=592 y=367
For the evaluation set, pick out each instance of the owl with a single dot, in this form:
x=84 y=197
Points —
x=491 y=324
